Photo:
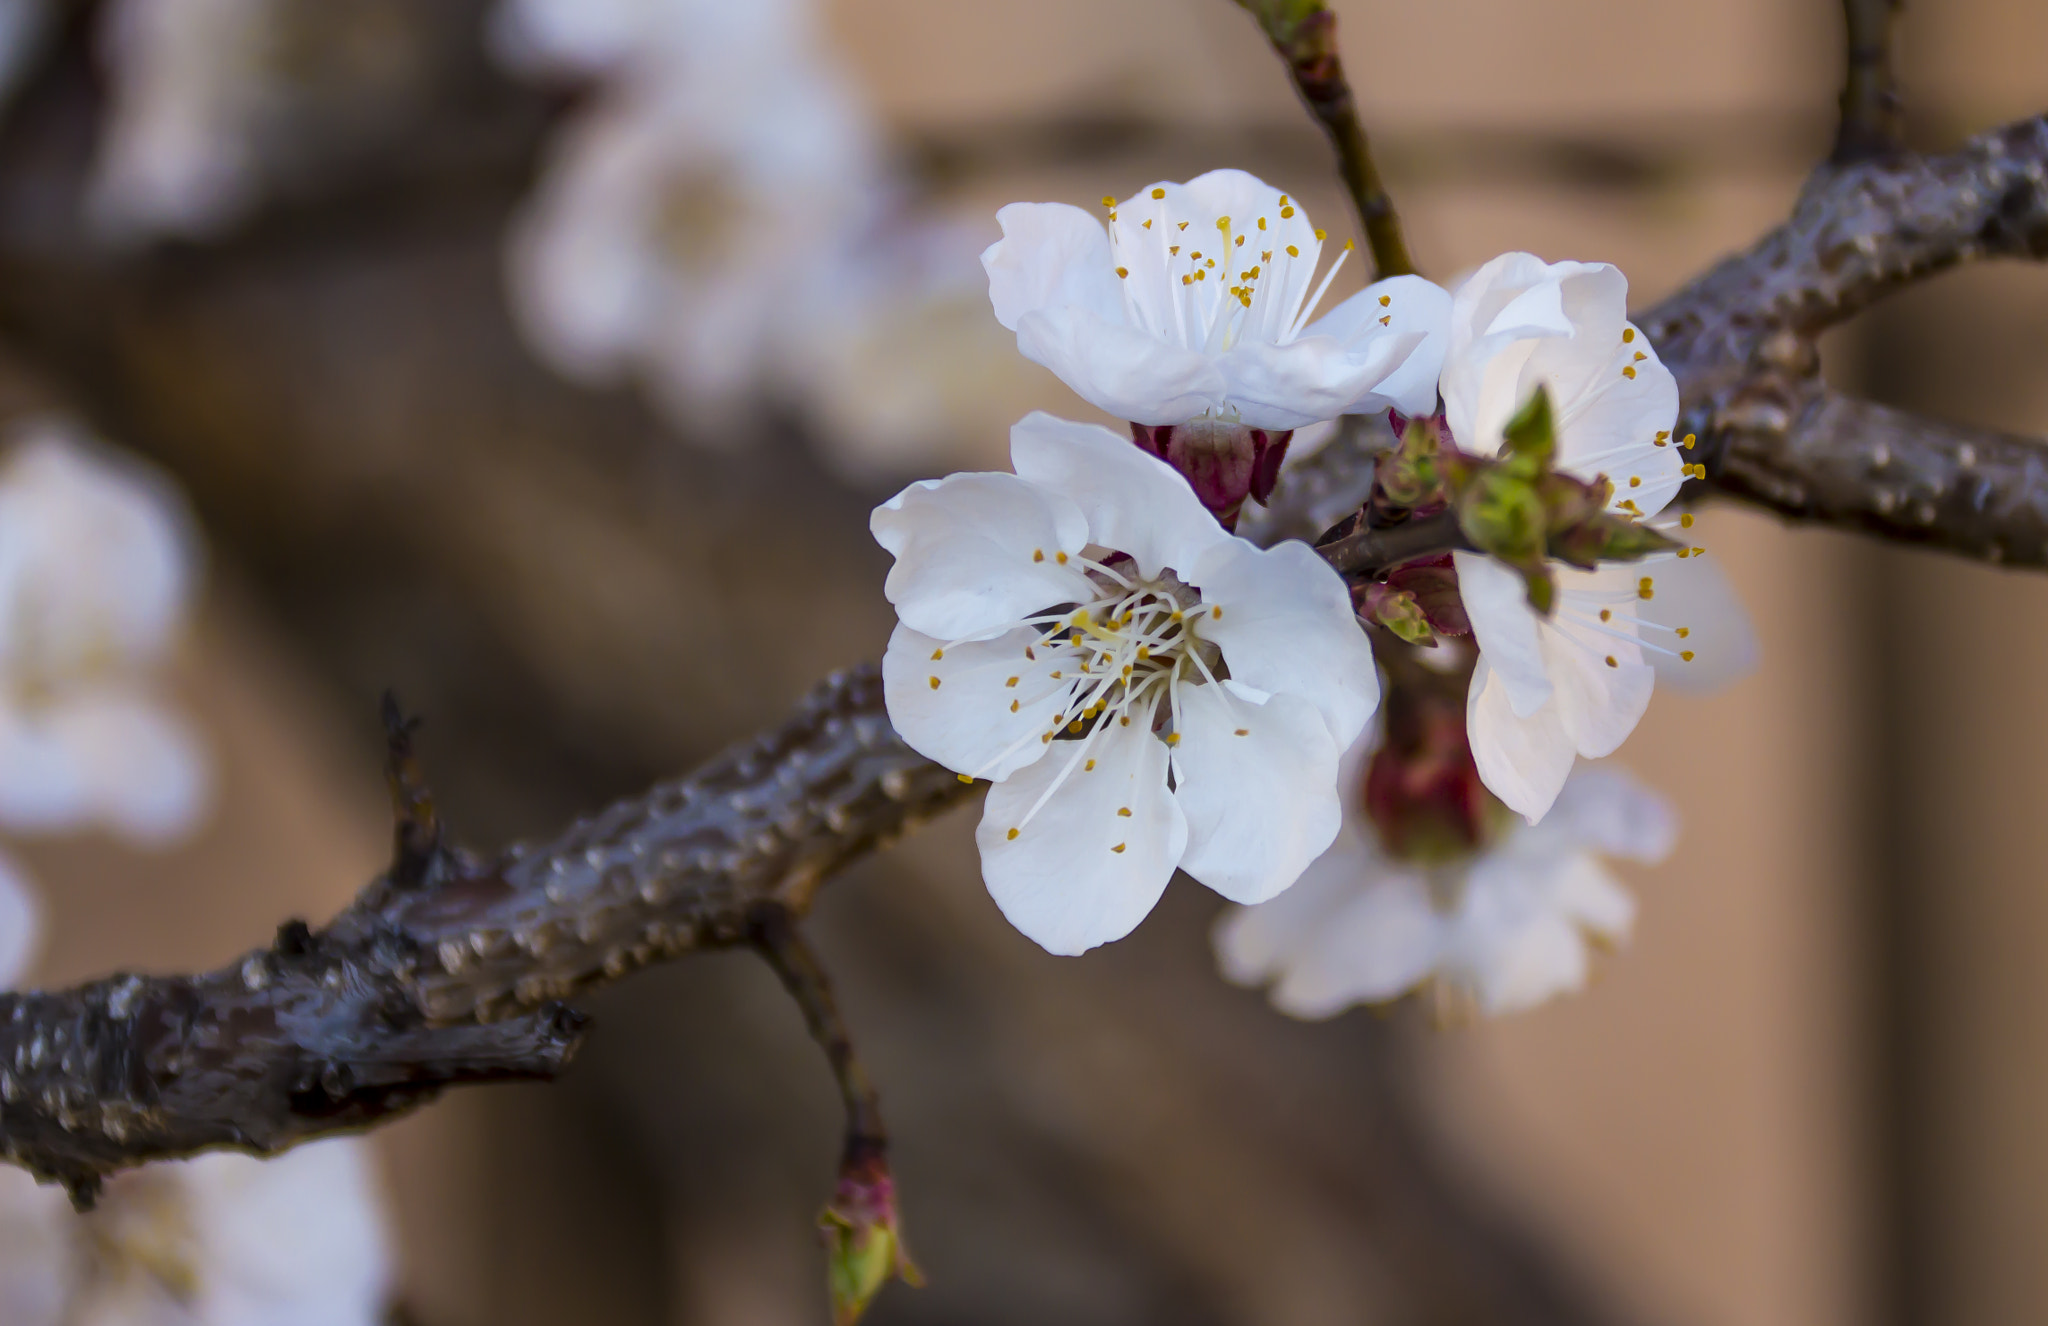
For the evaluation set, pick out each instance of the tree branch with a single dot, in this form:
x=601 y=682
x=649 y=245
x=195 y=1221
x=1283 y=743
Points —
x=454 y=977
x=1304 y=33
x=1743 y=341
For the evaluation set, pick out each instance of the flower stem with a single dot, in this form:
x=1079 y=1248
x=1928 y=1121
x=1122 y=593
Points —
x=1873 y=114
x=1304 y=33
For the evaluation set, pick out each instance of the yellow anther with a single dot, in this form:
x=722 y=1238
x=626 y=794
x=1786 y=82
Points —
x=1627 y=334
x=1183 y=225
x=1196 y=256
x=1173 y=248
x=1665 y=434
x=1606 y=614
x=1124 y=811
x=1293 y=252
x=1148 y=223
x=1262 y=223
x=1061 y=558
x=1013 y=835
x=1124 y=721
x=1223 y=223
x=1118 y=848
x=1216 y=611
x=1012 y=681
x=935 y=683
x=1239 y=241
x=1682 y=553
x=1640 y=357
x=1202 y=275
x=1124 y=272
x=1386 y=320
x=1635 y=481
x=1175 y=615
x=1108 y=201
x=1350 y=245
x=1173 y=738
x=1244 y=732
x=1283 y=200
x=1322 y=235
x=1187 y=280
x=1088 y=767
x=1386 y=300
x=1074 y=726
x=1159 y=193
x=1629 y=372
x=1686 y=654
x=1038 y=554
x=1646 y=588
x=1684 y=631
x=1266 y=255
x=1611 y=663
x=1690 y=438
x=1057 y=675
x=1286 y=212
x=1685 y=521
x=965 y=779
x=1210 y=263
x=1144 y=652
x=1013 y=706
x=938 y=654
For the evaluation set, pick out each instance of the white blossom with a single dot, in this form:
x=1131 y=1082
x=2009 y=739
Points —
x=21 y=923
x=221 y=1240
x=679 y=221
x=1502 y=929
x=676 y=38
x=189 y=82
x=1144 y=690
x=1196 y=302
x=1574 y=683
x=97 y=572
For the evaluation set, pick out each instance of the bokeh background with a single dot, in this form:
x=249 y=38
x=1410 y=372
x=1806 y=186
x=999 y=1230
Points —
x=1808 y=1092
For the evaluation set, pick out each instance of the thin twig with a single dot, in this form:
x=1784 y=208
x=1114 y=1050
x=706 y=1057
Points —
x=772 y=929
x=1873 y=113
x=1304 y=33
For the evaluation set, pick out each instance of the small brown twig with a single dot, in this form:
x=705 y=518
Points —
x=1873 y=113
x=1304 y=33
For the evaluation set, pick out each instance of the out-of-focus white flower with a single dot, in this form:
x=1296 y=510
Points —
x=188 y=87
x=679 y=37
x=21 y=924
x=221 y=1240
x=1196 y=302
x=679 y=222
x=1503 y=928
x=1551 y=688
x=1145 y=690
x=97 y=572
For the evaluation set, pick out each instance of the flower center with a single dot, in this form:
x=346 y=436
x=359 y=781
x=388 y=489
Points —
x=1208 y=283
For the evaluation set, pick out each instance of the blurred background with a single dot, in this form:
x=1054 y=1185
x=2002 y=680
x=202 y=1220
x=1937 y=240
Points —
x=1807 y=1092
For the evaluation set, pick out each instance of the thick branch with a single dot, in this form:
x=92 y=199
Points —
x=1304 y=32
x=454 y=978
x=1743 y=341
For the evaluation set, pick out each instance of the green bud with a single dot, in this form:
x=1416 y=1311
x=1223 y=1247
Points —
x=1409 y=475
x=1532 y=433
x=1400 y=612
x=863 y=1239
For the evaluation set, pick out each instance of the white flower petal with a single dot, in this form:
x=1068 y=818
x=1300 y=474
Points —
x=1121 y=370
x=1506 y=628
x=1414 y=307
x=1612 y=400
x=1694 y=593
x=975 y=552
x=1134 y=503
x=1585 y=891
x=1287 y=628
x=967 y=721
x=1601 y=687
x=1255 y=945
x=1523 y=761
x=1258 y=784
x=147 y=774
x=1082 y=872
x=44 y=785
x=1051 y=256
x=1384 y=943
x=1603 y=807
x=21 y=926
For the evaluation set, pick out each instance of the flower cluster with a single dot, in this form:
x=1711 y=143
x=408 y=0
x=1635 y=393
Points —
x=1145 y=691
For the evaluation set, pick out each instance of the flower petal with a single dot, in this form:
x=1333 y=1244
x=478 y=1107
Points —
x=1134 y=503
x=1384 y=943
x=1120 y=369
x=147 y=773
x=1694 y=593
x=977 y=552
x=992 y=704
x=1081 y=872
x=1523 y=761
x=1051 y=256
x=1258 y=784
x=1413 y=307
x=1286 y=627
x=1600 y=685
x=1507 y=629
x=1605 y=808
